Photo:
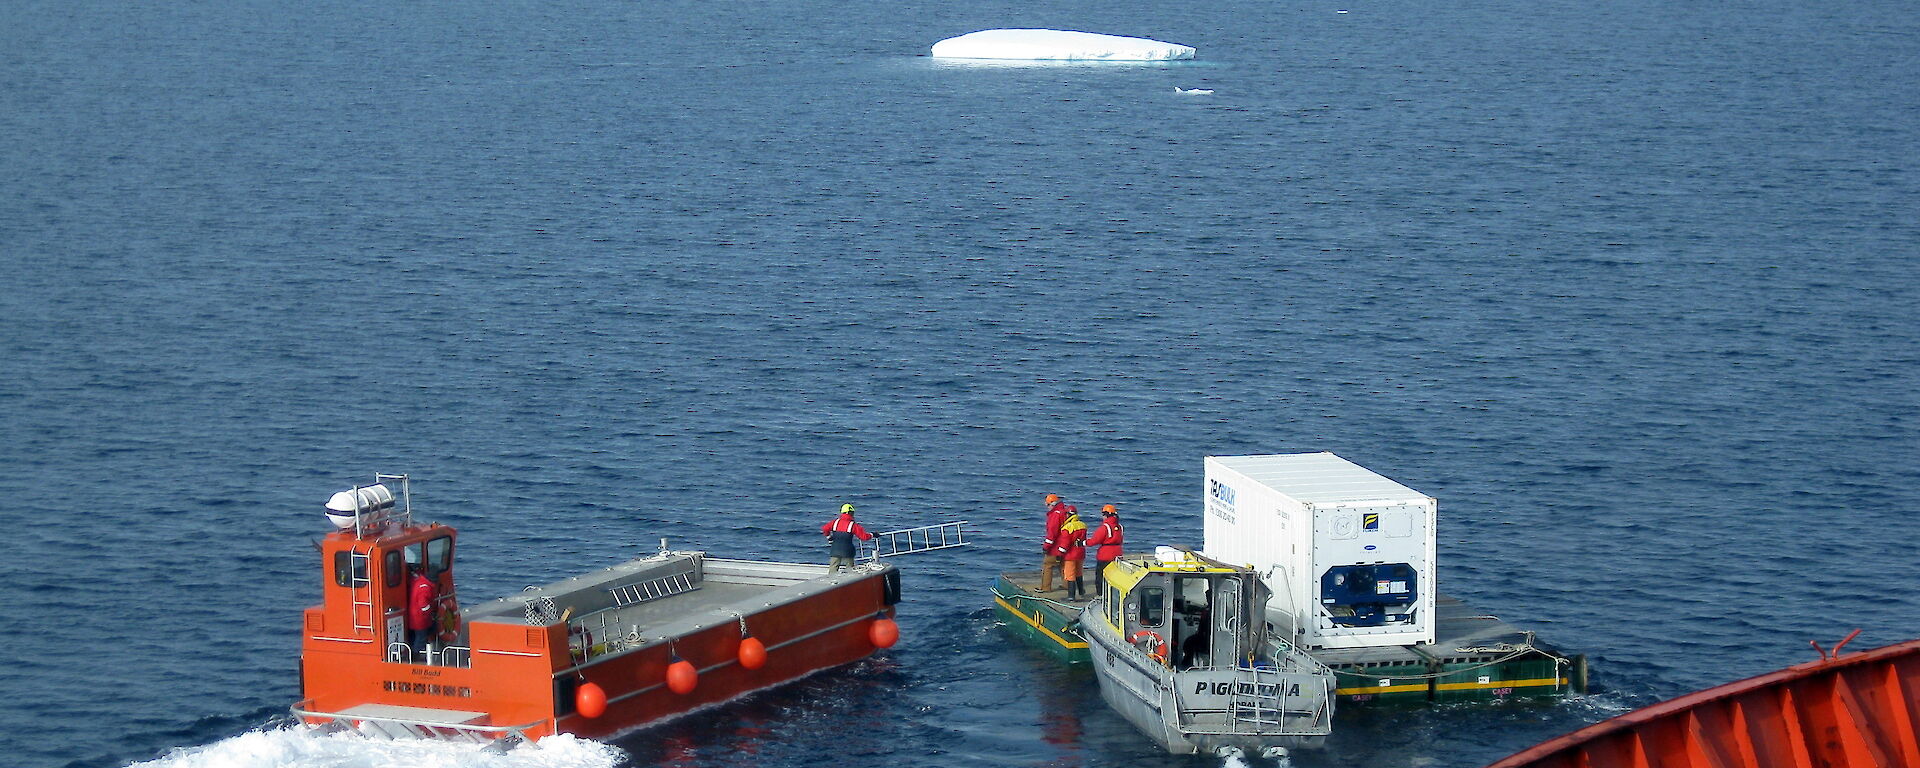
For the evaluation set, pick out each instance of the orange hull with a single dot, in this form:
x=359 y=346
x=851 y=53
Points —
x=1855 y=711
x=515 y=675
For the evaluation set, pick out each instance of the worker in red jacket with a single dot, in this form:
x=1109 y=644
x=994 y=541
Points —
x=1072 y=548
x=422 y=604
x=840 y=533
x=1108 y=537
x=1050 y=561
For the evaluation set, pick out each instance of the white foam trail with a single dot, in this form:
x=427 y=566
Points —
x=306 y=748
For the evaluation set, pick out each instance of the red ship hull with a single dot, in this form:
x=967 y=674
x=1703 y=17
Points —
x=1856 y=711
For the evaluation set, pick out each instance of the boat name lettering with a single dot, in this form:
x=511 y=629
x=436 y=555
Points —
x=425 y=672
x=430 y=689
x=1245 y=688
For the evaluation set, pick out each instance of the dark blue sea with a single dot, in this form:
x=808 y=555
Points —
x=1630 y=287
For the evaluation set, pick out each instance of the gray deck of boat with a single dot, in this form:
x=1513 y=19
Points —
x=723 y=585
x=712 y=595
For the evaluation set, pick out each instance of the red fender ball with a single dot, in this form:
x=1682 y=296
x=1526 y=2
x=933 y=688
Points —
x=753 y=653
x=589 y=700
x=682 y=677
x=884 y=633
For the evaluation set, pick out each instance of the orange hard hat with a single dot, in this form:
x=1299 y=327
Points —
x=1052 y=498
x=1108 y=508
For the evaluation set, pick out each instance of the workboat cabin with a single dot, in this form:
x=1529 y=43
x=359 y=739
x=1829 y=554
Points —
x=1180 y=646
x=1172 y=613
x=594 y=654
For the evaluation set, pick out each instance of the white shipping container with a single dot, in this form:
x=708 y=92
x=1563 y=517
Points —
x=1349 y=554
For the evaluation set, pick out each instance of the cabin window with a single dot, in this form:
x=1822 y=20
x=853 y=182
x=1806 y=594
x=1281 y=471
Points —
x=1153 y=606
x=394 y=568
x=348 y=570
x=1113 y=606
x=439 y=556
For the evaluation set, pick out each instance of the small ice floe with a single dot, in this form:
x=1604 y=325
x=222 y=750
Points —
x=1193 y=91
x=1057 y=45
x=1343 y=10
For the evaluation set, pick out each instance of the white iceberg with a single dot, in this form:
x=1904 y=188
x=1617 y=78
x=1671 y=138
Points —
x=1057 y=45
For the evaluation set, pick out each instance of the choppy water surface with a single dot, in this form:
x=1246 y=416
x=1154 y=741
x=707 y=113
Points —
x=1629 y=287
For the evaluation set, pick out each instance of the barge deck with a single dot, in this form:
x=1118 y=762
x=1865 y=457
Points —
x=1474 y=657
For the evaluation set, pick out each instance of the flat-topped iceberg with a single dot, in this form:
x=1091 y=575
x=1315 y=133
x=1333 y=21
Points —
x=1057 y=45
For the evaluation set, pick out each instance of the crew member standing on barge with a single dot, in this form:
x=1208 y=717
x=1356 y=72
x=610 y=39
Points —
x=1049 y=560
x=422 y=596
x=1073 y=552
x=1108 y=537
x=840 y=533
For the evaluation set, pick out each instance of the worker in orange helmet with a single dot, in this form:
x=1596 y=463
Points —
x=1108 y=538
x=1049 y=560
x=1072 y=547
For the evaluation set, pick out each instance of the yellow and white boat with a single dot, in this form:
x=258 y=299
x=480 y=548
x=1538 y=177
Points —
x=1180 y=645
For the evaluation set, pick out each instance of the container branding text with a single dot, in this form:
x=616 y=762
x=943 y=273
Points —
x=1220 y=500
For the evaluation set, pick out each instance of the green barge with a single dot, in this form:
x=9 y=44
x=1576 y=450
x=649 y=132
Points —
x=1045 y=620
x=1475 y=657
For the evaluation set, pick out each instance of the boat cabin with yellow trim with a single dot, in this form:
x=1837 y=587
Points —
x=1184 y=609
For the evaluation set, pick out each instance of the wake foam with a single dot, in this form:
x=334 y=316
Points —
x=297 y=747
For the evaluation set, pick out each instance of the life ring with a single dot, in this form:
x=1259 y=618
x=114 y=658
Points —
x=1158 y=650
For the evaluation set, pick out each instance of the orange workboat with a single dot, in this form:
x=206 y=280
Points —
x=1858 y=710
x=594 y=655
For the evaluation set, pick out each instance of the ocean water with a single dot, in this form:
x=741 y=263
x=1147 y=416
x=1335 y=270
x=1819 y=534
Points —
x=1629 y=287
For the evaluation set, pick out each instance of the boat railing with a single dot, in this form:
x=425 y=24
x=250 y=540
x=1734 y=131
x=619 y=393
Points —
x=368 y=522
x=392 y=727
x=454 y=656
x=1275 y=700
x=605 y=630
x=1269 y=701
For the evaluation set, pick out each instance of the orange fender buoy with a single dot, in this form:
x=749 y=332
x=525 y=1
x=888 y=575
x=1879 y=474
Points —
x=589 y=700
x=883 y=632
x=753 y=653
x=682 y=678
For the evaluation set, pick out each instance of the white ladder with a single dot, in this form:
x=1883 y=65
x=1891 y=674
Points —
x=653 y=589
x=926 y=538
x=357 y=566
